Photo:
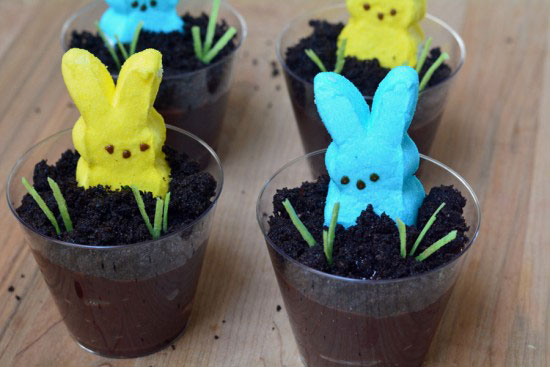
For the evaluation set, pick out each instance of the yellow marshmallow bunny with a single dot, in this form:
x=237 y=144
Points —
x=119 y=135
x=387 y=30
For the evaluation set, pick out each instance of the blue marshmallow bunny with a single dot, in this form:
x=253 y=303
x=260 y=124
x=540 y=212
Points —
x=123 y=16
x=372 y=159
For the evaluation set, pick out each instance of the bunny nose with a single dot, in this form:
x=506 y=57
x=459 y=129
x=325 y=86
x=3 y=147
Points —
x=381 y=16
x=126 y=154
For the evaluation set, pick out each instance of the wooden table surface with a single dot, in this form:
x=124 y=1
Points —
x=495 y=132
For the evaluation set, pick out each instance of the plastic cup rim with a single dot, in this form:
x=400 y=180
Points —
x=27 y=154
x=449 y=170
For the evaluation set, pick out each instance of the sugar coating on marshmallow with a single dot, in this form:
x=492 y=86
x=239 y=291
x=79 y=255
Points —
x=119 y=135
x=372 y=159
x=123 y=16
x=387 y=30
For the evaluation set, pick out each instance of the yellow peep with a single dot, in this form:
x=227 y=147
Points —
x=387 y=30
x=119 y=135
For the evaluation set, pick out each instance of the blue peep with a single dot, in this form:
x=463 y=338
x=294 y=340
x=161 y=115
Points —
x=372 y=159
x=123 y=16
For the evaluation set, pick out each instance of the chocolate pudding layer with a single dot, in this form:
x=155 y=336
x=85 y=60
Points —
x=331 y=337
x=123 y=318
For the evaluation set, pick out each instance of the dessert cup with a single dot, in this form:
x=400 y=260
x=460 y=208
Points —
x=197 y=100
x=128 y=300
x=340 y=321
x=431 y=101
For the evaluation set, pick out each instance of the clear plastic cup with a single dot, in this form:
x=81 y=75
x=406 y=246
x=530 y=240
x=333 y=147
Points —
x=341 y=322
x=121 y=301
x=431 y=102
x=195 y=101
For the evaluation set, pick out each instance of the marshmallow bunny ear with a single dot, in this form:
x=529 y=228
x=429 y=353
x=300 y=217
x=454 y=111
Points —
x=394 y=106
x=89 y=83
x=341 y=106
x=123 y=5
x=139 y=81
x=420 y=6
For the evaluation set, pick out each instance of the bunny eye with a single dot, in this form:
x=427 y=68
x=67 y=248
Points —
x=153 y=3
x=126 y=154
x=345 y=180
x=135 y=4
x=374 y=177
x=393 y=12
x=361 y=185
x=366 y=6
x=143 y=147
x=110 y=149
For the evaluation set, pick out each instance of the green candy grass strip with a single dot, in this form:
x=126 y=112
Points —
x=440 y=60
x=165 y=214
x=211 y=30
x=158 y=218
x=436 y=246
x=222 y=42
x=141 y=207
x=135 y=39
x=428 y=225
x=306 y=235
x=313 y=56
x=328 y=240
x=61 y=204
x=424 y=55
x=340 y=57
x=42 y=204
x=328 y=255
x=402 y=237
x=121 y=48
x=108 y=45
x=197 y=42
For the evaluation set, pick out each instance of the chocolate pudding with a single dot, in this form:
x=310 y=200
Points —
x=121 y=290
x=328 y=337
x=368 y=306
x=123 y=318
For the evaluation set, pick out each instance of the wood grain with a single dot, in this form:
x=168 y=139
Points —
x=495 y=132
